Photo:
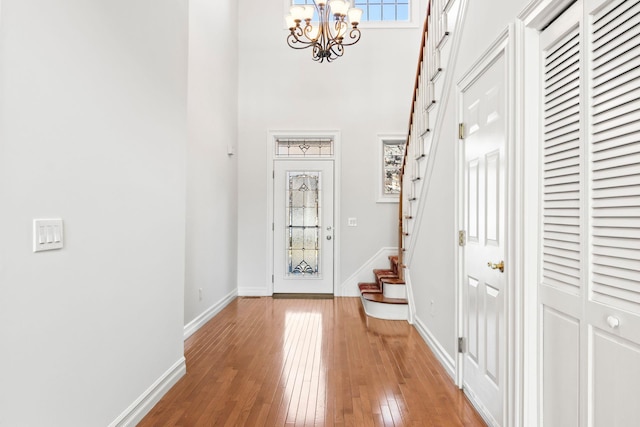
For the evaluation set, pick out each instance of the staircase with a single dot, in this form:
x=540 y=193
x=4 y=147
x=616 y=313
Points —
x=386 y=298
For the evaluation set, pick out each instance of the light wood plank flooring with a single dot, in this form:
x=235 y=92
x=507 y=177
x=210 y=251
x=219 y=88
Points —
x=276 y=362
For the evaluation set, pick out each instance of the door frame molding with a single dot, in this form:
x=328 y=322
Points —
x=272 y=137
x=512 y=370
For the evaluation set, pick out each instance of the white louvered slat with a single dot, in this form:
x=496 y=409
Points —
x=633 y=199
x=569 y=247
x=616 y=192
x=609 y=81
x=552 y=251
x=615 y=157
x=619 y=97
x=615 y=151
x=608 y=242
x=561 y=101
x=570 y=187
x=618 y=141
x=558 y=153
x=616 y=232
x=606 y=121
x=622 y=222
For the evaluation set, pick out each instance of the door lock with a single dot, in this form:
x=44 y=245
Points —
x=499 y=266
x=328 y=237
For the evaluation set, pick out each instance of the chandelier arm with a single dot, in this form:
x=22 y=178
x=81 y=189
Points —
x=317 y=53
x=337 y=50
x=296 y=43
x=354 y=35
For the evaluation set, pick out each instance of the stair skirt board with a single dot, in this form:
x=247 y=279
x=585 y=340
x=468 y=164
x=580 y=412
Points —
x=385 y=311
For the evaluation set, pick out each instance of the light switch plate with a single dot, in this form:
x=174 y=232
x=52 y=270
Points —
x=48 y=234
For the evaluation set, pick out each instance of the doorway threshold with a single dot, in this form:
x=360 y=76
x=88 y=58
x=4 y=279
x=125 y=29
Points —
x=302 y=296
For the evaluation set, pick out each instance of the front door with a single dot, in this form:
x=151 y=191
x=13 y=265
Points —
x=483 y=287
x=303 y=226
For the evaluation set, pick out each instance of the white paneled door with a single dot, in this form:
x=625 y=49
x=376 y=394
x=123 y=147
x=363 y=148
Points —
x=484 y=280
x=590 y=252
x=303 y=226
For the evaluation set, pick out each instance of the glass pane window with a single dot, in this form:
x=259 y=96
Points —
x=393 y=153
x=377 y=10
x=384 y=10
x=303 y=224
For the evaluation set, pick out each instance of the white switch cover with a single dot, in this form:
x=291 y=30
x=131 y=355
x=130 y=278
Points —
x=352 y=222
x=48 y=234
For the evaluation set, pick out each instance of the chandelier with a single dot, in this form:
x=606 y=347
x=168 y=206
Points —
x=326 y=38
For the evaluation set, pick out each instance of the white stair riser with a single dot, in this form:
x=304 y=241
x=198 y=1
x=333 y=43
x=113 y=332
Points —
x=394 y=291
x=385 y=311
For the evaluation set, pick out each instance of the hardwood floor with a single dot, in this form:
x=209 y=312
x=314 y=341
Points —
x=276 y=362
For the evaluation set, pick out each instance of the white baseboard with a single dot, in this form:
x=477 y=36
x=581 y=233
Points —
x=143 y=404
x=253 y=292
x=482 y=410
x=191 y=327
x=441 y=354
x=380 y=259
x=410 y=299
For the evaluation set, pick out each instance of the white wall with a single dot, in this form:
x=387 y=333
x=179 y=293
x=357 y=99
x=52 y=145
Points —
x=92 y=130
x=366 y=92
x=432 y=262
x=211 y=247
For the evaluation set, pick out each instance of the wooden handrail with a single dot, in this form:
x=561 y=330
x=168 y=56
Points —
x=416 y=85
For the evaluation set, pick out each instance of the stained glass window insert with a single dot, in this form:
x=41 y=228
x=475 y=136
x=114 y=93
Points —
x=319 y=147
x=392 y=157
x=303 y=223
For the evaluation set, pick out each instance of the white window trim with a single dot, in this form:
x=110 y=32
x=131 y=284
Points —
x=413 y=22
x=383 y=139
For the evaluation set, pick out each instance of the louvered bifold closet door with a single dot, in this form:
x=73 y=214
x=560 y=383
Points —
x=562 y=274
x=615 y=160
x=613 y=306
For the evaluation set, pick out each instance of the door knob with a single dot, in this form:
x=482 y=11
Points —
x=499 y=266
x=613 y=322
x=328 y=237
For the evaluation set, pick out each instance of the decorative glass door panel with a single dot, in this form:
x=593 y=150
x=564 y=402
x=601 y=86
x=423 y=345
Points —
x=303 y=226
x=303 y=223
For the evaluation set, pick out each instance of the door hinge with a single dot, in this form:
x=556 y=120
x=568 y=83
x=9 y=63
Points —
x=273 y=174
x=462 y=238
x=273 y=226
x=460 y=345
x=272 y=279
x=461 y=131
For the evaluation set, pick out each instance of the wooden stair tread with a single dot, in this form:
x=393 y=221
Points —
x=392 y=281
x=379 y=272
x=369 y=287
x=378 y=297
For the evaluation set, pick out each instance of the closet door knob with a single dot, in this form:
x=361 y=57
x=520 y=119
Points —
x=613 y=322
